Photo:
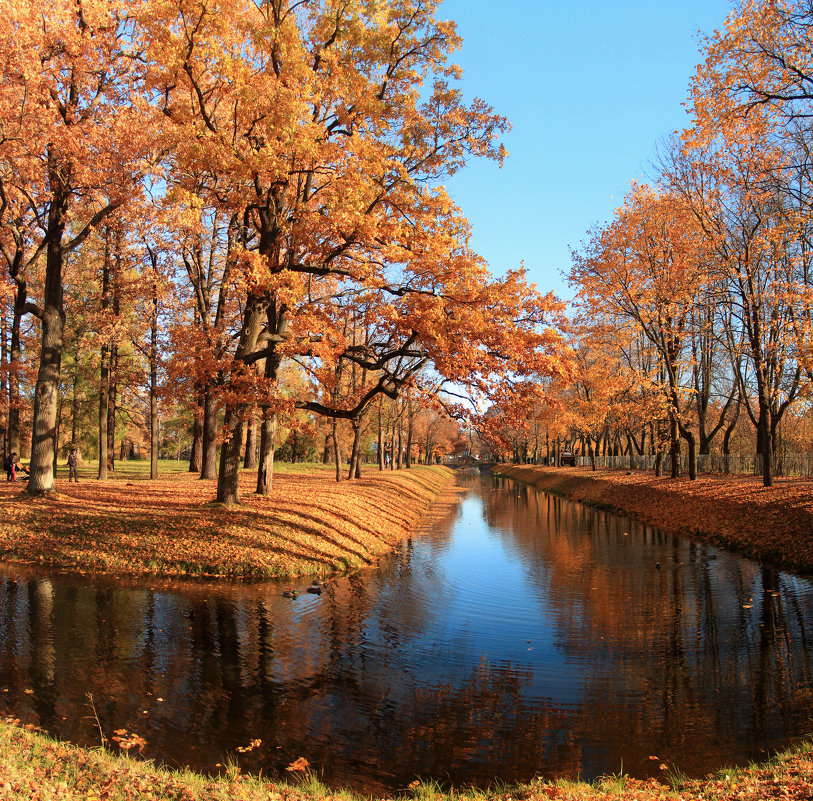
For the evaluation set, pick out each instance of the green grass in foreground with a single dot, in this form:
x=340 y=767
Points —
x=35 y=766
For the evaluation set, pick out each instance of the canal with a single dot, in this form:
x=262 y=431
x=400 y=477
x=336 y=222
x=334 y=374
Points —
x=521 y=635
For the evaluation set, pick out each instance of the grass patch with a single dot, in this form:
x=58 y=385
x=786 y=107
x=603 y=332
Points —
x=35 y=766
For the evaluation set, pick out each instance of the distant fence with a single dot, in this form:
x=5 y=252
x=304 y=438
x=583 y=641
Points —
x=793 y=464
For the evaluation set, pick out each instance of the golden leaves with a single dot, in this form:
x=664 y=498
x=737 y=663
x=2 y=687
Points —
x=176 y=532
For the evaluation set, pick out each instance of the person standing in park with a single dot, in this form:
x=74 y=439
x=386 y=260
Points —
x=12 y=465
x=73 y=461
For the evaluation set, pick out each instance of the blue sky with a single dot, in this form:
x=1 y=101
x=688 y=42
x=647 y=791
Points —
x=590 y=88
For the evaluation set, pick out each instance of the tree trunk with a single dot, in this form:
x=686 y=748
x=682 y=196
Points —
x=355 y=457
x=727 y=439
x=154 y=385
x=196 y=456
x=209 y=466
x=691 y=445
x=43 y=445
x=674 y=447
x=250 y=462
x=111 y=409
x=3 y=382
x=15 y=359
x=75 y=410
x=410 y=432
x=265 y=469
x=104 y=417
x=764 y=444
x=228 y=490
x=336 y=453
x=380 y=434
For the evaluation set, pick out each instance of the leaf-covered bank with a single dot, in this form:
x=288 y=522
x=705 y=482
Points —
x=310 y=525
x=772 y=524
x=35 y=767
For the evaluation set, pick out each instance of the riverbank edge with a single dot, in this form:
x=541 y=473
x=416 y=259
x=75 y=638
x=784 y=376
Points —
x=319 y=528
x=769 y=524
x=35 y=766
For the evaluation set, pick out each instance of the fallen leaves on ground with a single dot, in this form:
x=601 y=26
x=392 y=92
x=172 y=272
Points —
x=310 y=524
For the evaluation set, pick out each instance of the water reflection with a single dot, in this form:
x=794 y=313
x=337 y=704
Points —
x=523 y=635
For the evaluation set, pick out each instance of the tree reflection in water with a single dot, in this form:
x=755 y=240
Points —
x=521 y=635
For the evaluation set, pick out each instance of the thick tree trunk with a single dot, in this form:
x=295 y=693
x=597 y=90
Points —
x=3 y=381
x=43 y=444
x=355 y=454
x=265 y=469
x=228 y=490
x=154 y=385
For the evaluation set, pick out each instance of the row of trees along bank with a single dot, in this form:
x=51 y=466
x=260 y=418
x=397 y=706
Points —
x=693 y=318
x=199 y=200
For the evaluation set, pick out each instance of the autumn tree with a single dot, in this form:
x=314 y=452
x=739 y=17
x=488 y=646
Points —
x=648 y=266
x=328 y=161
x=73 y=141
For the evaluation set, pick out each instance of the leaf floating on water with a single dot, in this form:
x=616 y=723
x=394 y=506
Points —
x=299 y=765
x=128 y=740
x=244 y=749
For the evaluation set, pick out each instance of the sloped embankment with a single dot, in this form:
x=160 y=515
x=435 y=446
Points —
x=310 y=525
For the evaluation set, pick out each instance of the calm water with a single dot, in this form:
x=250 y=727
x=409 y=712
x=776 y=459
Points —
x=523 y=635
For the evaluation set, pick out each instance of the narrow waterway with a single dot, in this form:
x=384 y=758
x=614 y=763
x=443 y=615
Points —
x=524 y=635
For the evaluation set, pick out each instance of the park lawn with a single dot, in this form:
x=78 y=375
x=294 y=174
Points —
x=772 y=524
x=138 y=469
x=34 y=766
x=310 y=525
